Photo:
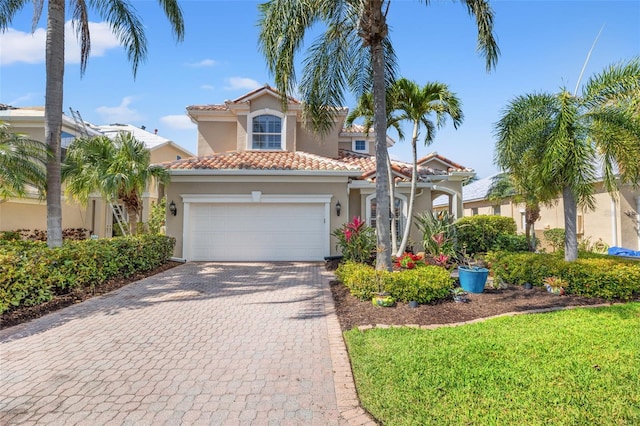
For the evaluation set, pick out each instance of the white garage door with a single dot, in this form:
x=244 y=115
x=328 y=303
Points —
x=257 y=232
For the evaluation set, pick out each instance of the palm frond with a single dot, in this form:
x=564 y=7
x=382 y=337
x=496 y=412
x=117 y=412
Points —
x=9 y=8
x=126 y=26
x=487 y=45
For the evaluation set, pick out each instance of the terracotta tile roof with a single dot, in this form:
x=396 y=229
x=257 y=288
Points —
x=212 y=107
x=242 y=99
x=261 y=160
x=367 y=163
x=453 y=166
x=355 y=128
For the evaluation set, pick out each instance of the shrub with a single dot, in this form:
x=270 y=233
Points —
x=73 y=234
x=157 y=216
x=591 y=275
x=423 y=284
x=606 y=278
x=479 y=233
x=356 y=240
x=555 y=238
x=360 y=279
x=9 y=235
x=31 y=273
x=513 y=243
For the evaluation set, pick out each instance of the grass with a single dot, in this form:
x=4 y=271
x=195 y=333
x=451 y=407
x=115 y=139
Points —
x=577 y=367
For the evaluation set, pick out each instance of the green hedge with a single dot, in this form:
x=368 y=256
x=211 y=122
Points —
x=423 y=284
x=480 y=233
x=590 y=275
x=31 y=273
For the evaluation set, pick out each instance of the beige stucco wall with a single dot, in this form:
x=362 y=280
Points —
x=326 y=145
x=216 y=137
x=167 y=153
x=32 y=214
x=267 y=185
x=607 y=222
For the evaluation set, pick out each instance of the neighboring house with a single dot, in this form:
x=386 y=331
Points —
x=265 y=188
x=615 y=220
x=31 y=212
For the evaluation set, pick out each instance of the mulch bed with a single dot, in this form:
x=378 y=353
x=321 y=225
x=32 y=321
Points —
x=353 y=312
x=18 y=316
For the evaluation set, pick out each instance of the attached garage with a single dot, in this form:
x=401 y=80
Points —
x=256 y=227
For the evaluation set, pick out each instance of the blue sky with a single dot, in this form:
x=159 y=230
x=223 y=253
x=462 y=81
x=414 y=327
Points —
x=543 y=47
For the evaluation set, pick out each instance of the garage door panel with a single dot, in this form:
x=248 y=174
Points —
x=258 y=232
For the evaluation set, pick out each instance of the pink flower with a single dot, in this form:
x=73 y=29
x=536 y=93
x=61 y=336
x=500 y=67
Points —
x=348 y=234
x=441 y=259
x=438 y=238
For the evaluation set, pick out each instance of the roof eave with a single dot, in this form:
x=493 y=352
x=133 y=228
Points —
x=254 y=172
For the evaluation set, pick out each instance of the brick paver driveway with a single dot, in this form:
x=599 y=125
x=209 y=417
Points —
x=203 y=343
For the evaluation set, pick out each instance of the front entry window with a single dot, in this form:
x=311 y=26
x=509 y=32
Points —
x=267 y=132
x=398 y=211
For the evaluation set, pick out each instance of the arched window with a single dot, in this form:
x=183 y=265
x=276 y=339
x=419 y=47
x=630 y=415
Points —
x=266 y=132
x=400 y=211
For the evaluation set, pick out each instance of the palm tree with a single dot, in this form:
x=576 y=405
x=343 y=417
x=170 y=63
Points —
x=21 y=163
x=118 y=169
x=125 y=24
x=354 y=51
x=364 y=108
x=570 y=135
x=416 y=104
x=406 y=100
x=507 y=186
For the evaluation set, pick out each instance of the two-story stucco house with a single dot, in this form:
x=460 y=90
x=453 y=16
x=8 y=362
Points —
x=265 y=188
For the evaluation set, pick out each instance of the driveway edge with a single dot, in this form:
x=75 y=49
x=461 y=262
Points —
x=345 y=388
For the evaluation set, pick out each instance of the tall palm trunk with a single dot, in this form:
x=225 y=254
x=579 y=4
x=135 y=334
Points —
x=532 y=214
x=53 y=117
x=570 y=228
x=383 y=256
x=374 y=29
x=392 y=203
x=132 y=215
x=414 y=180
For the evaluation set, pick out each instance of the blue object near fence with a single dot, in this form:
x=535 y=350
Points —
x=621 y=251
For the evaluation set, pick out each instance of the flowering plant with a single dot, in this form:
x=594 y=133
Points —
x=408 y=261
x=555 y=285
x=357 y=240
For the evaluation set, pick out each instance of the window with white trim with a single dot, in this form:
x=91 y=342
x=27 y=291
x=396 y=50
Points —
x=266 y=132
x=360 y=146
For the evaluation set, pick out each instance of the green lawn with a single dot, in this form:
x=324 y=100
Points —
x=577 y=367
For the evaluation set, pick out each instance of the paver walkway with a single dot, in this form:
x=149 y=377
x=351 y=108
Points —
x=203 y=343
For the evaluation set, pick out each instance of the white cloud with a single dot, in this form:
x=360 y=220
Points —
x=203 y=63
x=121 y=113
x=178 y=122
x=236 y=83
x=207 y=87
x=26 y=99
x=19 y=46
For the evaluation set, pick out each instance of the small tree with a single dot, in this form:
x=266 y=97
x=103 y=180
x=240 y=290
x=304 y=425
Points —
x=118 y=169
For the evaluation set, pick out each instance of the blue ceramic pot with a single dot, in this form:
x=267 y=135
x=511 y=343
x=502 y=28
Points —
x=473 y=279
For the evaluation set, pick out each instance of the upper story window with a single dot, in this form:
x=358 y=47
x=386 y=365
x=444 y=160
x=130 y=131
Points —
x=266 y=132
x=360 y=146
